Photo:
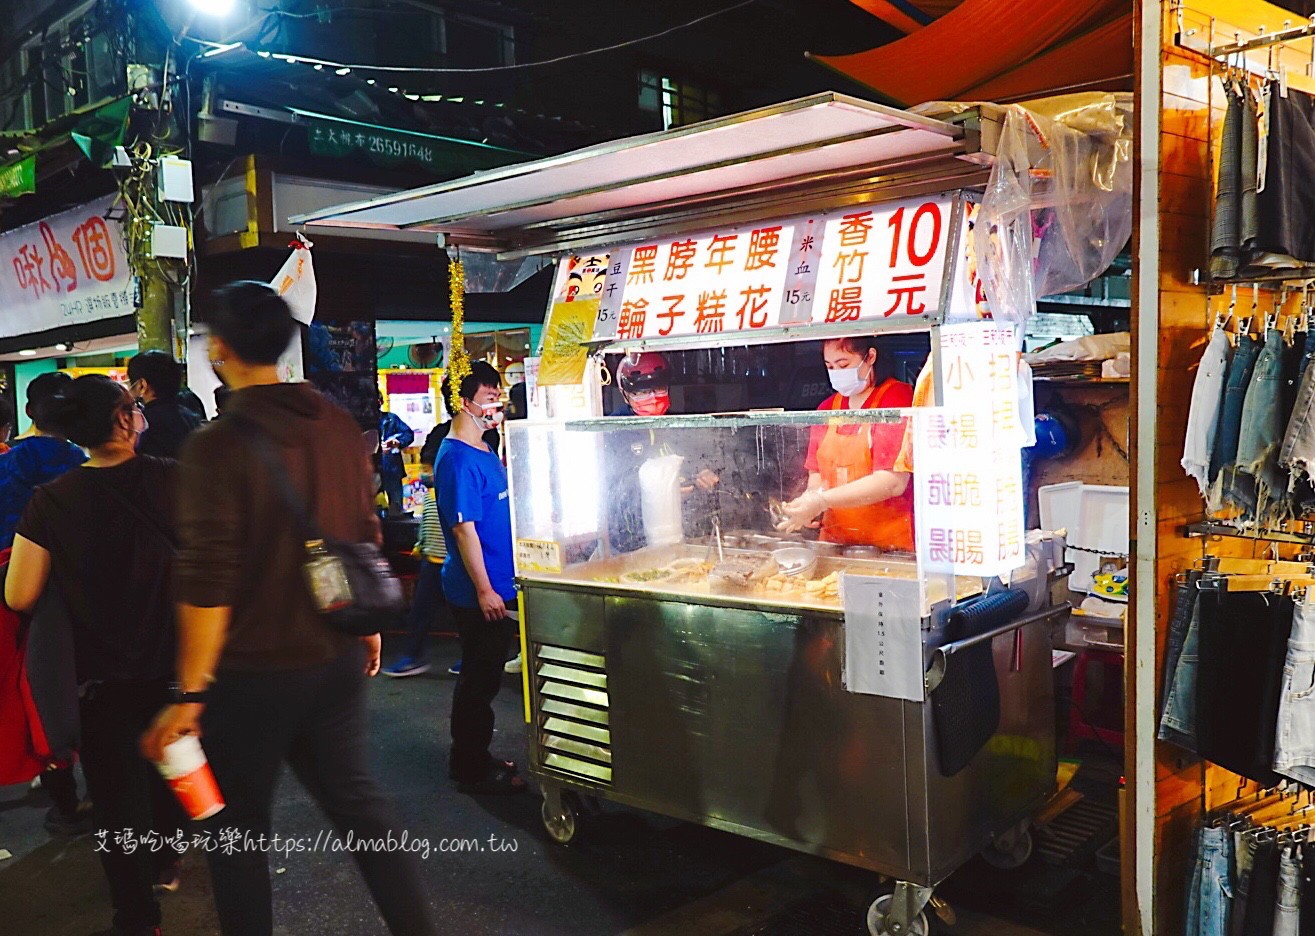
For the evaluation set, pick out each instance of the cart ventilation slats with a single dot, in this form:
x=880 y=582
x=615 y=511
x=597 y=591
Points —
x=577 y=730
x=577 y=712
x=574 y=693
x=581 y=768
x=573 y=657
x=572 y=704
x=568 y=674
x=582 y=748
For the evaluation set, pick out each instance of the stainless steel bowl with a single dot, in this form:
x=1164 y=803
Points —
x=795 y=560
x=862 y=552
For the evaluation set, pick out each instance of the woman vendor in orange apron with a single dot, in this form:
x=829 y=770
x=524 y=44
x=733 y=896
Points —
x=852 y=485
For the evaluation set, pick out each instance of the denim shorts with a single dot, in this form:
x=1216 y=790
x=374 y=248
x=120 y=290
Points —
x=1178 y=721
x=1236 y=382
x=1294 y=743
x=1255 y=486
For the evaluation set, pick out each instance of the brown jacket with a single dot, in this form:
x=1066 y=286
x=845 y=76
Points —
x=238 y=545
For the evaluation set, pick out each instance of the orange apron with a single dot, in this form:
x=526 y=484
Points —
x=845 y=458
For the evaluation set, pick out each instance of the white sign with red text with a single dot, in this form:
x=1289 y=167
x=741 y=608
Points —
x=885 y=263
x=728 y=281
x=968 y=465
x=69 y=269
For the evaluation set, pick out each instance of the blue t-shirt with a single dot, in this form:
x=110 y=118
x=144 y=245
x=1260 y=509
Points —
x=472 y=488
x=31 y=462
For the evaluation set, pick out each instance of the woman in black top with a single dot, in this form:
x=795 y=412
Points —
x=100 y=535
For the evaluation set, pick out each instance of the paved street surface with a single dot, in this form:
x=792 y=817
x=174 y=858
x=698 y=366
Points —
x=632 y=874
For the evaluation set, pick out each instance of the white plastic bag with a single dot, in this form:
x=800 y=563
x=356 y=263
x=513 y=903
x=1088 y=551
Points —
x=659 y=491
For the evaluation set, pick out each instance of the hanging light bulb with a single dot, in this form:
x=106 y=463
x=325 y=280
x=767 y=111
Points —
x=213 y=7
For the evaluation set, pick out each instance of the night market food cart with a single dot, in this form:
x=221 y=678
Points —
x=808 y=694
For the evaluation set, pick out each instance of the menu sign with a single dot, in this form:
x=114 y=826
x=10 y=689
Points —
x=883 y=264
x=729 y=281
x=968 y=467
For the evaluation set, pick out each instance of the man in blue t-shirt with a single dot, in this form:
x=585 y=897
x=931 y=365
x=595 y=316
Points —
x=478 y=578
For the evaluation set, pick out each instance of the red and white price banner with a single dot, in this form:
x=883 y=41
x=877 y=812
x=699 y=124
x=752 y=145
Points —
x=883 y=263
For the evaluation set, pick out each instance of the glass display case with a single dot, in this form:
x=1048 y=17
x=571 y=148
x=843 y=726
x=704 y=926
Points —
x=707 y=509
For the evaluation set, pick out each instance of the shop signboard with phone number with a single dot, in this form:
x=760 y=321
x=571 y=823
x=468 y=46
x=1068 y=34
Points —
x=882 y=265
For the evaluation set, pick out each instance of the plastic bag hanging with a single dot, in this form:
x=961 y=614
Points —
x=1058 y=207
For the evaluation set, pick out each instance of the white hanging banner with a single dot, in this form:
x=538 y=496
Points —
x=68 y=269
x=295 y=282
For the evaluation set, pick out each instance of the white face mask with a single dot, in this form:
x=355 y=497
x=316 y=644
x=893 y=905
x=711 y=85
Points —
x=847 y=381
x=489 y=417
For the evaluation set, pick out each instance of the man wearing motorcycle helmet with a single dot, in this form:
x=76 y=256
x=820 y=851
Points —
x=645 y=383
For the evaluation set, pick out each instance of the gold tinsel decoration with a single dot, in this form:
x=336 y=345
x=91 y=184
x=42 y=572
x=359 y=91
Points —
x=458 y=361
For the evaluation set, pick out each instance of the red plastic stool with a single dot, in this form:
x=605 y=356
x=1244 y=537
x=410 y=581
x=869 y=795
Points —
x=1103 y=720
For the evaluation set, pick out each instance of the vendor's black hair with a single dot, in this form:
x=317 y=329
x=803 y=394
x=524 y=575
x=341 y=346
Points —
x=252 y=319
x=161 y=372
x=482 y=374
x=88 y=409
x=40 y=392
x=861 y=344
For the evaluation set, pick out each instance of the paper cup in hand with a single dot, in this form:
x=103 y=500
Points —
x=188 y=774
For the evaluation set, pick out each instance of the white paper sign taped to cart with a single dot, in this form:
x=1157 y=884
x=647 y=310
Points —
x=883 y=637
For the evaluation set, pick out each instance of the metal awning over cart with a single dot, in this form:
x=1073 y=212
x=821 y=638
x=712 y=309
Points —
x=816 y=153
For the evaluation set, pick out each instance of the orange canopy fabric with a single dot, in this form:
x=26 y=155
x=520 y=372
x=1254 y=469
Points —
x=970 y=45
x=890 y=13
x=1100 y=60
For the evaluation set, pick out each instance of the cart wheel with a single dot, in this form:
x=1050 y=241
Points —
x=880 y=924
x=563 y=827
x=1009 y=851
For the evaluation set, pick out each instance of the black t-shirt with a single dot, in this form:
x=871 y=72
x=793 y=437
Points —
x=112 y=564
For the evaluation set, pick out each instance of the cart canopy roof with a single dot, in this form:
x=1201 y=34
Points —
x=809 y=154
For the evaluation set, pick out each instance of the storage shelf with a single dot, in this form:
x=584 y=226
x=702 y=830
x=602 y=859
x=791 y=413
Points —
x=1214 y=528
x=1079 y=382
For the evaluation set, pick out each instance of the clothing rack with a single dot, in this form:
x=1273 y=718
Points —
x=1209 y=528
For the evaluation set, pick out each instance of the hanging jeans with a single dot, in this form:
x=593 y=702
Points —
x=1262 y=897
x=1210 y=893
x=1178 y=722
x=1256 y=485
x=1236 y=382
x=1294 y=741
x=1287 y=913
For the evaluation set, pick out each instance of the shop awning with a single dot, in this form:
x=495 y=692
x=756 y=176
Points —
x=808 y=154
x=981 y=42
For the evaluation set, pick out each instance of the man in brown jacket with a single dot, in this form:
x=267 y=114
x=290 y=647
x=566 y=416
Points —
x=262 y=678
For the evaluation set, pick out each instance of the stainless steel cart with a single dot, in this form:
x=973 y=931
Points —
x=733 y=715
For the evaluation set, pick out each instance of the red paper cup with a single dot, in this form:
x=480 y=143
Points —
x=188 y=774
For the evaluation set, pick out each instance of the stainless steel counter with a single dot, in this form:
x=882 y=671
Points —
x=721 y=711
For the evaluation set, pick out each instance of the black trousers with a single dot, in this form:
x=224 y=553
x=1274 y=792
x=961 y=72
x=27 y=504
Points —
x=1262 y=898
x=315 y=720
x=128 y=796
x=1244 y=643
x=484 y=648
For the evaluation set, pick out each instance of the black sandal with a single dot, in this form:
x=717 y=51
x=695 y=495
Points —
x=500 y=781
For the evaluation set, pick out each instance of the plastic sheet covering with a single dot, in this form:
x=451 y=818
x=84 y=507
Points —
x=1058 y=207
x=485 y=273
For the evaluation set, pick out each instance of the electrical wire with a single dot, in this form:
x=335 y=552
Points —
x=420 y=70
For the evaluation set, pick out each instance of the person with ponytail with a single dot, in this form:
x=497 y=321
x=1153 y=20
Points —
x=100 y=535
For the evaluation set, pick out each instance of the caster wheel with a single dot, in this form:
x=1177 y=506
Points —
x=879 y=923
x=564 y=827
x=1009 y=851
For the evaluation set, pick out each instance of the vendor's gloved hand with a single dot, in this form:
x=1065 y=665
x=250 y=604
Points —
x=802 y=511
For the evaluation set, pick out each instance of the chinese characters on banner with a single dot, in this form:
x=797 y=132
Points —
x=968 y=463
x=884 y=263
x=729 y=281
x=68 y=269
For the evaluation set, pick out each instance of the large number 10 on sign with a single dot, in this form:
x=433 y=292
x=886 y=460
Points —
x=883 y=263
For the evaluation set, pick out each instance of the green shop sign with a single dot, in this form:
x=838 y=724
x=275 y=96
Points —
x=384 y=146
x=19 y=178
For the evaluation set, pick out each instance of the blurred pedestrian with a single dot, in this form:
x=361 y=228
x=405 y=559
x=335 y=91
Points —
x=428 y=604
x=111 y=516
x=264 y=679
x=6 y=424
x=34 y=460
x=156 y=379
